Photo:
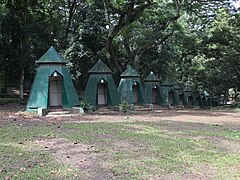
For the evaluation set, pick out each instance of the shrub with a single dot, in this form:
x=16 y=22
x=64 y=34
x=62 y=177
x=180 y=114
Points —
x=124 y=106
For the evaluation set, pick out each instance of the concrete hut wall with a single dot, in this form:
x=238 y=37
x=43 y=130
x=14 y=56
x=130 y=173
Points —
x=165 y=94
x=187 y=102
x=91 y=91
x=176 y=100
x=148 y=87
x=39 y=96
x=125 y=90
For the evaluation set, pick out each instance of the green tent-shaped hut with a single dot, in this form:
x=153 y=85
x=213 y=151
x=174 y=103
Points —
x=196 y=97
x=101 y=89
x=203 y=99
x=167 y=89
x=208 y=99
x=52 y=86
x=178 y=94
x=188 y=97
x=130 y=87
x=152 y=89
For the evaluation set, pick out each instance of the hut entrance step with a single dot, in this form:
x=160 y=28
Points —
x=59 y=113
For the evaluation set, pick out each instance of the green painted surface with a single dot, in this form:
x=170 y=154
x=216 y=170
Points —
x=151 y=82
x=166 y=87
x=90 y=93
x=39 y=96
x=98 y=72
x=125 y=90
x=188 y=102
x=178 y=89
x=148 y=87
x=100 y=67
x=151 y=78
x=130 y=72
x=51 y=56
x=168 y=82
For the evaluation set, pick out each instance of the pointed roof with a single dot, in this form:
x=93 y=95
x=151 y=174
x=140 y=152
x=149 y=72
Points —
x=100 y=67
x=51 y=56
x=168 y=82
x=152 y=77
x=130 y=72
x=201 y=92
x=195 y=90
x=179 y=86
x=188 y=89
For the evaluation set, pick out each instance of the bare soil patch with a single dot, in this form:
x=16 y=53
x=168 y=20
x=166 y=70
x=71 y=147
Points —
x=87 y=158
x=16 y=112
x=91 y=162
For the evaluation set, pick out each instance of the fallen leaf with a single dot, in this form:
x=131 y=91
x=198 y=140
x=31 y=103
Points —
x=31 y=164
x=22 y=169
x=41 y=164
x=8 y=177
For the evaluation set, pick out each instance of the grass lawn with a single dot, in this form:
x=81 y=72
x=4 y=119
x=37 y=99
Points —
x=119 y=150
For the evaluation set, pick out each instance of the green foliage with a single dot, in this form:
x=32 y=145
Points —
x=124 y=106
x=84 y=104
x=129 y=149
x=202 y=46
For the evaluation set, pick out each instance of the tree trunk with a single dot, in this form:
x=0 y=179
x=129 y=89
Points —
x=136 y=63
x=112 y=56
x=21 y=83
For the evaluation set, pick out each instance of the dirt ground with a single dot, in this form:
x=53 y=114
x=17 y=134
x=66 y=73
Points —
x=87 y=157
x=229 y=116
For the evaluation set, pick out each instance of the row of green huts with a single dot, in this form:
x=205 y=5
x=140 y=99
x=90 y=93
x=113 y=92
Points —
x=53 y=88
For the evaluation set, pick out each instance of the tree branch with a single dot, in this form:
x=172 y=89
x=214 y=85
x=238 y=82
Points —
x=72 y=8
x=167 y=22
x=129 y=13
x=147 y=47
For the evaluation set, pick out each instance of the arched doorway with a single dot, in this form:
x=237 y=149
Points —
x=155 y=94
x=170 y=97
x=181 y=99
x=135 y=88
x=204 y=102
x=190 y=100
x=209 y=103
x=198 y=103
x=55 y=90
x=102 y=92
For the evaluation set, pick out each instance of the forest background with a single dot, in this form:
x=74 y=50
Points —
x=195 y=42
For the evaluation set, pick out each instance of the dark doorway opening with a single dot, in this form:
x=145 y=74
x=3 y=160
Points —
x=198 y=103
x=170 y=97
x=155 y=94
x=190 y=100
x=181 y=99
x=136 y=89
x=102 y=93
